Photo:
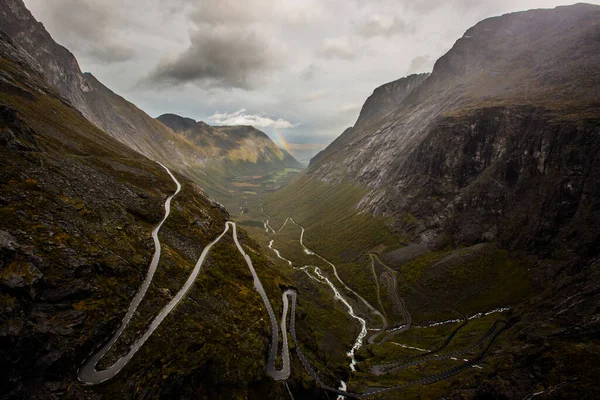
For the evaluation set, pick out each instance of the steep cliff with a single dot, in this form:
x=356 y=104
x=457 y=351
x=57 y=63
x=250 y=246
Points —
x=384 y=100
x=509 y=113
x=97 y=103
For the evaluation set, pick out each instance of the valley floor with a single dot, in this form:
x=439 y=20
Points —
x=395 y=334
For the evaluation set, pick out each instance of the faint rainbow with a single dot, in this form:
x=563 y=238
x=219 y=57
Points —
x=281 y=142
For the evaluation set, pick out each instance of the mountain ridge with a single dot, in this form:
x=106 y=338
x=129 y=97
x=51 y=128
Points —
x=177 y=123
x=456 y=88
x=471 y=191
x=231 y=137
x=382 y=101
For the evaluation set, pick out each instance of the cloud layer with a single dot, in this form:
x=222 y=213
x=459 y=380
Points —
x=383 y=25
x=241 y=117
x=218 y=58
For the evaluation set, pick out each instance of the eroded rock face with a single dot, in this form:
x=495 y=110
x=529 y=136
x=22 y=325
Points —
x=14 y=135
x=516 y=174
x=17 y=275
x=498 y=143
x=385 y=100
x=8 y=245
x=18 y=23
x=21 y=275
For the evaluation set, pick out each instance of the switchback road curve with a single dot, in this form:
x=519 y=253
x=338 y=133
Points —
x=88 y=374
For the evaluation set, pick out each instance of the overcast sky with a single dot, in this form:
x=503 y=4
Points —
x=298 y=70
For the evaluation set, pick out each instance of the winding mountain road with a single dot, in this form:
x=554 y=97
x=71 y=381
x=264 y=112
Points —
x=278 y=254
x=337 y=294
x=309 y=251
x=284 y=373
x=376 y=279
x=88 y=374
x=396 y=300
x=292 y=294
x=449 y=372
x=489 y=337
x=379 y=370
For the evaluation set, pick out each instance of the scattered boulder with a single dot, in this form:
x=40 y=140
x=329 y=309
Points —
x=21 y=276
x=15 y=135
x=8 y=247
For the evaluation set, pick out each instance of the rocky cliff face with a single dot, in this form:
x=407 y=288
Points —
x=76 y=211
x=61 y=67
x=384 y=100
x=98 y=104
x=511 y=107
x=120 y=118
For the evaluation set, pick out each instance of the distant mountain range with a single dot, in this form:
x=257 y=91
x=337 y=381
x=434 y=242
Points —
x=232 y=147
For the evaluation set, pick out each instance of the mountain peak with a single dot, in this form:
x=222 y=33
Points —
x=538 y=66
x=176 y=122
x=525 y=53
x=386 y=97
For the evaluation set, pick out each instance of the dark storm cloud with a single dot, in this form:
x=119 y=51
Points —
x=218 y=58
x=86 y=28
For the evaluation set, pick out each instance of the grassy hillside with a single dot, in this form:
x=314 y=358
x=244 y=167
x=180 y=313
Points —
x=235 y=163
x=330 y=216
x=334 y=227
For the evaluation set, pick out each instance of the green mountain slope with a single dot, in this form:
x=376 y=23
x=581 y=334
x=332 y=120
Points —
x=242 y=162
